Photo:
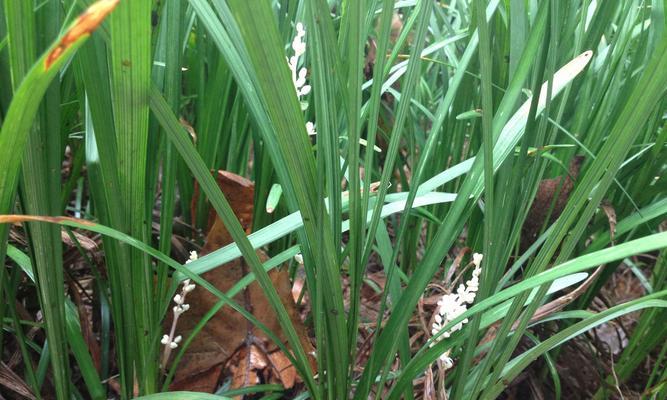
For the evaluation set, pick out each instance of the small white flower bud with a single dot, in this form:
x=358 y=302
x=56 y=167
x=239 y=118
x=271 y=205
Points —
x=193 y=257
x=310 y=128
x=298 y=46
x=173 y=345
x=165 y=339
x=305 y=90
x=477 y=259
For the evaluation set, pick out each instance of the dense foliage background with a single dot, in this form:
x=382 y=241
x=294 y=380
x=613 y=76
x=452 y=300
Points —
x=388 y=142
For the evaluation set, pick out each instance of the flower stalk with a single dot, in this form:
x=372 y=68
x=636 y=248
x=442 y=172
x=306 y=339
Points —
x=171 y=341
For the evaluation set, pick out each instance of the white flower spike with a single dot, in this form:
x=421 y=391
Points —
x=452 y=305
x=169 y=341
x=299 y=74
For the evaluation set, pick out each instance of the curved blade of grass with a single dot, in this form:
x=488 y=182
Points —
x=293 y=222
x=518 y=364
x=183 y=396
x=265 y=388
x=629 y=223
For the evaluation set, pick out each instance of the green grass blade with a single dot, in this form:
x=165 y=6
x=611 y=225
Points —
x=39 y=184
x=83 y=359
x=182 y=396
x=130 y=68
x=170 y=32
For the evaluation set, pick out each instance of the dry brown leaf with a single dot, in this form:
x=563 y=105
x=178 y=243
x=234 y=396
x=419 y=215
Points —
x=284 y=368
x=228 y=333
x=240 y=193
x=86 y=243
x=13 y=382
x=246 y=367
x=545 y=195
x=199 y=381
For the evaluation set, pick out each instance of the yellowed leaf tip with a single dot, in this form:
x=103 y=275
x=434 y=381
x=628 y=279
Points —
x=15 y=218
x=84 y=25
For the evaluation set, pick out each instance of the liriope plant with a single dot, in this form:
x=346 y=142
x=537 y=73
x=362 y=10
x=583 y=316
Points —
x=405 y=137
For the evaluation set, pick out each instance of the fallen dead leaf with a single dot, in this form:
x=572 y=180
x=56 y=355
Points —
x=245 y=372
x=228 y=340
x=548 y=189
x=10 y=381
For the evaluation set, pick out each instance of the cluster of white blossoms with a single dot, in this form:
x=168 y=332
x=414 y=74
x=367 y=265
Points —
x=299 y=74
x=172 y=343
x=169 y=341
x=452 y=305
